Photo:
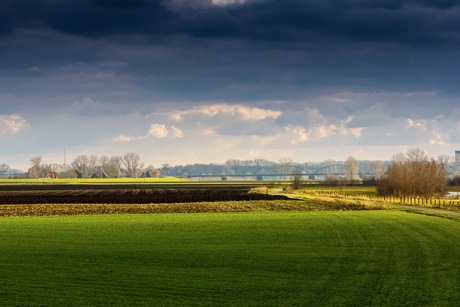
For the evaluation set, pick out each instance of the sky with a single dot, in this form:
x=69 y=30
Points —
x=204 y=81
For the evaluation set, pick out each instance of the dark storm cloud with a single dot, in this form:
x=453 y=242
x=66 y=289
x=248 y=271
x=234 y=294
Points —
x=87 y=17
x=101 y=18
x=424 y=22
x=261 y=49
x=378 y=21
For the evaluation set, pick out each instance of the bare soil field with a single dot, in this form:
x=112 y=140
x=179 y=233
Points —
x=126 y=194
x=41 y=200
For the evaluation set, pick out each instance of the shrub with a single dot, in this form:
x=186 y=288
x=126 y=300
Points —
x=414 y=174
x=454 y=181
x=296 y=180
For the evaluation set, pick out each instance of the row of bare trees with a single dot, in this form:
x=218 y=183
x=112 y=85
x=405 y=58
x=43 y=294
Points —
x=414 y=174
x=127 y=165
x=4 y=168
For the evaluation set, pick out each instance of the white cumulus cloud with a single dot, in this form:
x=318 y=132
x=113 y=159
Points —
x=159 y=131
x=11 y=124
x=127 y=138
x=322 y=131
x=325 y=131
x=438 y=138
x=175 y=132
x=236 y=111
x=162 y=131
x=296 y=134
x=416 y=123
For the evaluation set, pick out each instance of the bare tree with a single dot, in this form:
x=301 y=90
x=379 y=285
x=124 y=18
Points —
x=330 y=168
x=377 y=169
x=36 y=166
x=132 y=164
x=93 y=164
x=81 y=165
x=296 y=180
x=286 y=165
x=104 y=160
x=4 y=168
x=104 y=164
x=46 y=169
x=70 y=173
x=351 y=168
x=150 y=171
x=117 y=160
x=114 y=167
x=416 y=155
x=414 y=174
x=233 y=165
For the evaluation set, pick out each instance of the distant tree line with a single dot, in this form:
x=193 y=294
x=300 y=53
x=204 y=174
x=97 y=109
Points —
x=230 y=167
x=355 y=169
x=411 y=174
x=84 y=166
x=7 y=171
x=4 y=168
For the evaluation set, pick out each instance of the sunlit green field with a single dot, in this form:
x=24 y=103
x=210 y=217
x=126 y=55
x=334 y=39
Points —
x=91 y=180
x=102 y=181
x=383 y=258
x=350 y=190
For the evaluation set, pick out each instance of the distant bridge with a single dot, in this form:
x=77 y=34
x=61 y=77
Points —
x=296 y=171
x=261 y=177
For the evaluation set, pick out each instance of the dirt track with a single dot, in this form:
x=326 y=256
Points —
x=427 y=209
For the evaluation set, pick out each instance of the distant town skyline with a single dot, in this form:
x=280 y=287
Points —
x=204 y=81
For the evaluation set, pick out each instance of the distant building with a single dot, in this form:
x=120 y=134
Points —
x=457 y=158
x=11 y=174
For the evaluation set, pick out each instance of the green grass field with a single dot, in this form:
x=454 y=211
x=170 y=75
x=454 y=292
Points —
x=91 y=180
x=383 y=258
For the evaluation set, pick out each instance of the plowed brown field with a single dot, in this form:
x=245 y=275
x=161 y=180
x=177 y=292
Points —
x=125 y=194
